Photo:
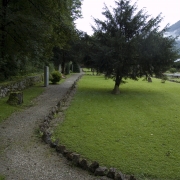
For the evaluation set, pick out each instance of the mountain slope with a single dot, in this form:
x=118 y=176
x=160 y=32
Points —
x=175 y=27
x=174 y=30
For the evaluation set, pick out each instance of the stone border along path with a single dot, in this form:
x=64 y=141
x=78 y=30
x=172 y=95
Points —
x=23 y=156
x=46 y=128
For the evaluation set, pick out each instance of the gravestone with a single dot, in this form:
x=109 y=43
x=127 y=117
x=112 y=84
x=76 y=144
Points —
x=59 y=68
x=46 y=76
x=15 y=98
x=149 y=79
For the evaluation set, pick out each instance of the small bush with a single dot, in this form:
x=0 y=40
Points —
x=164 y=78
x=172 y=70
x=55 y=77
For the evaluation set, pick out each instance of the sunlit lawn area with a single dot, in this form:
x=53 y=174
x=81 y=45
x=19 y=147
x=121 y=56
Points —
x=137 y=132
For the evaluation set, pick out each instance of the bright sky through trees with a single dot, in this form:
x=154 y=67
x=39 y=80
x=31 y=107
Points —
x=93 y=8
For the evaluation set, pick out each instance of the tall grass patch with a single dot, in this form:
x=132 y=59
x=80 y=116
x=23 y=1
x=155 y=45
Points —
x=136 y=131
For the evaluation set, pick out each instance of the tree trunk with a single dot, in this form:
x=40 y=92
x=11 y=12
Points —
x=118 y=79
x=3 y=37
x=3 y=25
x=116 y=90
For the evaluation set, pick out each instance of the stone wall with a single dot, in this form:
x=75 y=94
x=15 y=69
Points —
x=19 y=85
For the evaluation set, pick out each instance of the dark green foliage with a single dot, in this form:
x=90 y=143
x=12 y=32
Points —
x=67 y=69
x=57 y=57
x=73 y=52
x=177 y=65
x=30 y=29
x=172 y=70
x=129 y=44
x=164 y=78
x=55 y=77
x=75 y=67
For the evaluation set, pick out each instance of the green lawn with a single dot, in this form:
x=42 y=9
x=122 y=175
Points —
x=137 y=132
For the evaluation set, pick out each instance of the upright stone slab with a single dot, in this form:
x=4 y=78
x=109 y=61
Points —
x=149 y=79
x=59 y=68
x=72 y=68
x=15 y=98
x=46 y=76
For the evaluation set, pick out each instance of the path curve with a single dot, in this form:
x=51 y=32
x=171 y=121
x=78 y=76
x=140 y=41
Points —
x=23 y=156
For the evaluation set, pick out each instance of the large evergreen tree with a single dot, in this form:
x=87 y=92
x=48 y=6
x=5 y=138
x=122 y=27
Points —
x=130 y=44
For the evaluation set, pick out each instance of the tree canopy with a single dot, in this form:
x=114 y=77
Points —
x=129 y=44
x=30 y=29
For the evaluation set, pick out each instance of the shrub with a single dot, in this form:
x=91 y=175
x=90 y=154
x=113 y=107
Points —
x=164 y=78
x=172 y=70
x=55 y=77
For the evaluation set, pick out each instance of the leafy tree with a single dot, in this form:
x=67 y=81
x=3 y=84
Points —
x=176 y=65
x=29 y=30
x=75 y=51
x=130 y=45
x=172 y=70
x=62 y=57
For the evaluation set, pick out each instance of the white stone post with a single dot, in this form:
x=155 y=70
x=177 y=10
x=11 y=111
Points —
x=59 y=67
x=46 y=76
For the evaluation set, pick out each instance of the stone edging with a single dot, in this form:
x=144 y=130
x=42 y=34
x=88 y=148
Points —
x=76 y=159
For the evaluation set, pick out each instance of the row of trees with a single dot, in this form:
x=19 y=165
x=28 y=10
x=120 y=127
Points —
x=129 y=44
x=30 y=29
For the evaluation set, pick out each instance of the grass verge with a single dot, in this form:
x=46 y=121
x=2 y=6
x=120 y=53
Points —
x=2 y=177
x=136 y=131
x=28 y=95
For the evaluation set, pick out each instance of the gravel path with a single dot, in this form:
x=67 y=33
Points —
x=23 y=156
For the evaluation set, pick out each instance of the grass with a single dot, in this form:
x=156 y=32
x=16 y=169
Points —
x=28 y=95
x=2 y=177
x=176 y=79
x=136 y=131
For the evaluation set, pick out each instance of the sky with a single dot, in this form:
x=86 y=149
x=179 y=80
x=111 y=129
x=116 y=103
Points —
x=170 y=10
